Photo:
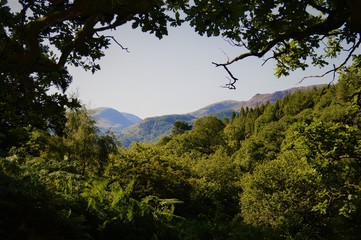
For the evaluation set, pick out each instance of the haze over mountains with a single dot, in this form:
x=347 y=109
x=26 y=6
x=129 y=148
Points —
x=130 y=128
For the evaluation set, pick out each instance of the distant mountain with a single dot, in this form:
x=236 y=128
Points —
x=225 y=108
x=216 y=107
x=131 y=128
x=111 y=119
x=259 y=99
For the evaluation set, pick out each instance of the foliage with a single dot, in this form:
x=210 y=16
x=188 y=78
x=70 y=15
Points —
x=119 y=214
x=29 y=211
x=98 y=207
x=153 y=172
x=205 y=137
x=312 y=188
x=288 y=170
x=279 y=195
x=180 y=127
x=291 y=32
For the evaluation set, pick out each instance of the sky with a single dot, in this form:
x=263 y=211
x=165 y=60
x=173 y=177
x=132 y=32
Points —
x=175 y=75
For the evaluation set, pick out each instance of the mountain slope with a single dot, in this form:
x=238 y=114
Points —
x=111 y=119
x=131 y=128
x=216 y=107
x=258 y=99
x=152 y=129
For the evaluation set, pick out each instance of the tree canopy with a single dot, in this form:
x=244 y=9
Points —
x=40 y=39
x=296 y=33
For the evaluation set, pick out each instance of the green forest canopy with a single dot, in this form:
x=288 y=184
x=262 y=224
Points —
x=289 y=170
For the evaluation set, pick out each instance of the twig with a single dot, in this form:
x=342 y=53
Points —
x=120 y=45
x=224 y=53
x=232 y=80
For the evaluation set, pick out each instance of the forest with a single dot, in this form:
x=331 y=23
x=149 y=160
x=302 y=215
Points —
x=289 y=170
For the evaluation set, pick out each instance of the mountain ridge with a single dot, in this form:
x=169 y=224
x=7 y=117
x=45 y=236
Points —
x=257 y=99
x=153 y=128
x=107 y=118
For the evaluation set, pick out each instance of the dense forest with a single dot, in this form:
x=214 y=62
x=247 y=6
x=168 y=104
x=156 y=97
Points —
x=289 y=170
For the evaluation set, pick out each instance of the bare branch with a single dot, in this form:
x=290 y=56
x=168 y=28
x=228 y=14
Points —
x=225 y=54
x=269 y=58
x=232 y=80
x=120 y=45
x=322 y=29
x=229 y=85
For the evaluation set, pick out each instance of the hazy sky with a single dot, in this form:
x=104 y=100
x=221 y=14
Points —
x=175 y=74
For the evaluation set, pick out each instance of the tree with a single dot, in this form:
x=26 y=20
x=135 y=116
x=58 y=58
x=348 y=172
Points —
x=180 y=127
x=279 y=195
x=43 y=38
x=207 y=135
x=81 y=150
x=291 y=32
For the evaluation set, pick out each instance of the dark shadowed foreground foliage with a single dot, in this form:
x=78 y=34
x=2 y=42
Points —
x=290 y=170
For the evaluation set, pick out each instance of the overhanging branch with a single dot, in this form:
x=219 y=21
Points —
x=324 y=28
x=335 y=69
x=82 y=35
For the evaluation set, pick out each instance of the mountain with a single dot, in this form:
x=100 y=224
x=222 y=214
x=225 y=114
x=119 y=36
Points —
x=152 y=129
x=130 y=128
x=225 y=108
x=111 y=119
x=216 y=107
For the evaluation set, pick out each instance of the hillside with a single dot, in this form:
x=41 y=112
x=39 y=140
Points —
x=110 y=119
x=152 y=129
x=258 y=99
x=216 y=107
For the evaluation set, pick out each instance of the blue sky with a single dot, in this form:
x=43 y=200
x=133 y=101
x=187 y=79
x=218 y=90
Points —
x=175 y=74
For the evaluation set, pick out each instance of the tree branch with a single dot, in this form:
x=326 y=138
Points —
x=85 y=32
x=335 y=69
x=118 y=22
x=120 y=45
x=322 y=28
x=334 y=21
x=232 y=80
x=318 y=7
